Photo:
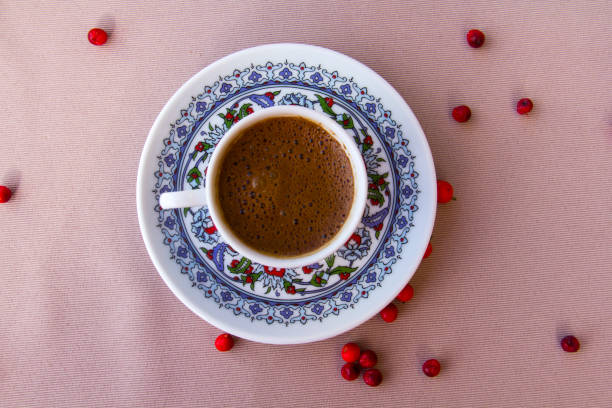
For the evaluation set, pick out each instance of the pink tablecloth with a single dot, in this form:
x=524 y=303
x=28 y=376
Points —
x=522 y=257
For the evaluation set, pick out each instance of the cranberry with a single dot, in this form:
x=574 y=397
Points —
x=350 y=352
x=431 y=368
x=368 y=359
x=372 y=377
x=406 y=294
x=524 y=106
x=570 y=344
x=445 y=191
x=475 y=38
x=5 y=194
x=224 y=342
x=428 y=250
x=389 y=313
x=97 y=36
x=461 y=113
x=350 y=371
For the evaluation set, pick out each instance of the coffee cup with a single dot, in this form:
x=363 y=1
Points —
x=214 y=194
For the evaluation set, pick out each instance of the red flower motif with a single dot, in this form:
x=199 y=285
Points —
x=274 y=272
x=234 y=263
x=236 y=119
x=210 y=230
x=368 y=140
x=381 y=181
x=372 y=186
x=270 y=95
x=229 y=116
x=329 y=101
x=373 y=201
x=344 y=276
x=200 y=147
x=306 y=269
x=378 y=227
x=291 y=290
x=249 y=270
x=248 y=279
x=249 y=110
x=354 y=237
x=209 y=254
x=318 y=279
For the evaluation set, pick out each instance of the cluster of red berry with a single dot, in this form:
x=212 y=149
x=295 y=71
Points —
x=462 y=113
x=356 y=360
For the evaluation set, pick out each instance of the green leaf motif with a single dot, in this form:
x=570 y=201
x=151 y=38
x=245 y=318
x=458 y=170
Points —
x=346 y=122
x=314 y=282
x=243 y=110
x=377 y=234
x=326 y=108
x=330 y=260
x=380 y=159
x=374 y=194
x=269 y=289
x=210 y=126
x=242 y=266
x=342 y=269
x=185 y=211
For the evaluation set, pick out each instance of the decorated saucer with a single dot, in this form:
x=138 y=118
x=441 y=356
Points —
x=335 y=294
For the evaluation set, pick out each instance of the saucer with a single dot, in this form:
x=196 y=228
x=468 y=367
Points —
x=335 y=294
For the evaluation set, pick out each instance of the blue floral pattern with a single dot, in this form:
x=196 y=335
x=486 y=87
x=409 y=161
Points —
x=314 y=292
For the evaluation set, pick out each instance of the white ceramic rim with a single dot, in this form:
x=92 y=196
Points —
x=332 y=325
x=360 y=182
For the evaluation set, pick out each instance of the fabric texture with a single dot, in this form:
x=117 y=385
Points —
x=519 y=260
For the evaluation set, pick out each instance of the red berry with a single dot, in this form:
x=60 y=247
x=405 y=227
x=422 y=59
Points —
x=97 y=36
x=570 y=344
x=350 y=352
x=368 y=359
x=372 y=377
x=429 y=248
x=389 y=313
x=350 y=371
x=524 y=106
x=224 y=342
x=431 y=368
x=406 y=294
x=445 y=191
x=461 y=113
x=5 y=194
x=475 y=38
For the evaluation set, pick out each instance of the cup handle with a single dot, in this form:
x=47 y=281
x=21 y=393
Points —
x=183 y=199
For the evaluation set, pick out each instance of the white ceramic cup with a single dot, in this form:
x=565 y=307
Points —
x=207 y=196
